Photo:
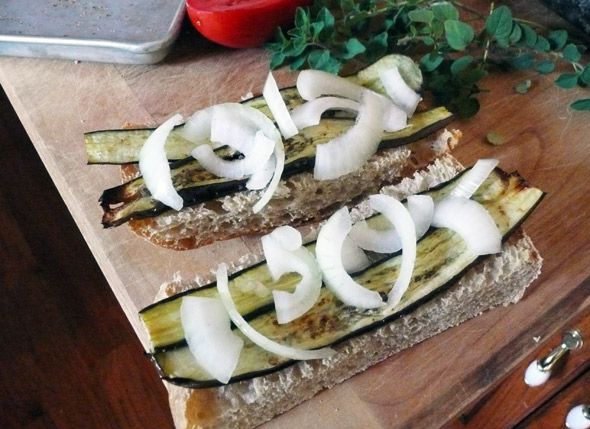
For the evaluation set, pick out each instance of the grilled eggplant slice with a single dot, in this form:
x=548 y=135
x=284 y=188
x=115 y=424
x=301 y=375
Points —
x=441 y=258
x=196 y=185
x=122 y=146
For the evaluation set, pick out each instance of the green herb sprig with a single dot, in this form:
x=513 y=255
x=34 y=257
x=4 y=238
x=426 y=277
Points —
x=456 y=51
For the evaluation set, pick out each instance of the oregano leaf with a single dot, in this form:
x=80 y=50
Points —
x=545 y=66
x=571 y=53
x=523 y=61
x=421 y=15
x=542 y=44
x=530 y=37
x=276 y=60
x=557 y=39
x=430 y=62
x=585 y=75
x=567 y=80
x=524 y=86
x=460 y=64
x=458 y=34
x=583 y=104
x=467 y=107
x=499 y=23
x=444 y=10
x=516 y=34
x=352 y=48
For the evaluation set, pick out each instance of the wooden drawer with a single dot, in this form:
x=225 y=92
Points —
x=514 y=403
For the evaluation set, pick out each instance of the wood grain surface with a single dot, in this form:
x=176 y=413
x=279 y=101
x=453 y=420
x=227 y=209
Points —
x=547 y=142
x=69 y=357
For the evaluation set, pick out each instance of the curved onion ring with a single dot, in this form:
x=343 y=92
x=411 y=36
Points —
x=259 y=152
x=473 y=179
x=283 y=257
x=279 y=156
x=255 y=336
x=400 y=218
x=399 y=91
x=471 y=221
x=421 y=209
x=328 y=252
x=154 y=166
x=310 y=113
x=277 y=107
x=208 y=333
x=347 y=152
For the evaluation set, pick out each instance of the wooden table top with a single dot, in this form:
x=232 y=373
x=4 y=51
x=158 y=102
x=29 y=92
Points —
x=57 y=101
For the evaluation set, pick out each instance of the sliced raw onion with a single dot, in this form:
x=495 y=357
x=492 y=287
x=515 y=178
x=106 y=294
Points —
x=473 y=179
x=421 y=209
x=277 y=107
x=279 y=155
x=197 y=128
x=354 y=259
x=399 y=91
x=328 y=252
x=310 y=113
x=282 y=256
x=312 y=84
x=471 y=221
x=394 y=118
x=255 y=336
x=347 y=152
x=400 y=218
x=207 y=330
x=154 y=166
x=260 y=178
x=257 y=156
x=228 y=127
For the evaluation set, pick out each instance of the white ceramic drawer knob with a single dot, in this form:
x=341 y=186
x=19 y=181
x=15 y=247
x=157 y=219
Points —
x=539 y=371
x=578 y=417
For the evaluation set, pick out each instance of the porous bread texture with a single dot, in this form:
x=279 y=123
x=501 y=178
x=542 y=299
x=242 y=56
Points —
x=499 y=280
x=442 y=169
x=298 y=199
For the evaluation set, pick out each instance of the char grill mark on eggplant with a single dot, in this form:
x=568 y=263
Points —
x=442 y=258
x=195 y=185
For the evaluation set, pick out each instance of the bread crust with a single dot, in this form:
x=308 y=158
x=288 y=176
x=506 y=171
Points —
x=499 y=280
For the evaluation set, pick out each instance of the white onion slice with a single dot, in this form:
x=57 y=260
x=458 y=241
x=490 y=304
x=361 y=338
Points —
x=399 y=91
x=473 y=179
x=257 y=155
x=347 y=152
x=310 y=113
x=208 y=333
x=277 y=107
x=400 y=218
x=260 y=178
x=255 y=336
x=197 y=128
x=394 y=118
x=353 y=257
x=471 y=221
x=328 y=252
x=421 y=209
x=228 y=127
x=312 y=84
x=154 y=166
x=279 y=155
x=283 y=257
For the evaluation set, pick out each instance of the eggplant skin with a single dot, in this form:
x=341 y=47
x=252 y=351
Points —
x=132 y=201
x=442 y=259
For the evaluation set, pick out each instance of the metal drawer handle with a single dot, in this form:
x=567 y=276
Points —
x=578 y=417
x=539 y=371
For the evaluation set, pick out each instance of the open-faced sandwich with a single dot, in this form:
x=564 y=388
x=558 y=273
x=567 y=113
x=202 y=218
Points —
x=404 y=241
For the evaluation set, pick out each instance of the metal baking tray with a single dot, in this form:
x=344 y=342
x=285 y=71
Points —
x=114 y=31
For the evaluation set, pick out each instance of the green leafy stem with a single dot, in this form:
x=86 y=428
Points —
x=456 y=50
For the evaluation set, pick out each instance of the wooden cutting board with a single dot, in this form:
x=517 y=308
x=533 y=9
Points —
x=59 y=101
